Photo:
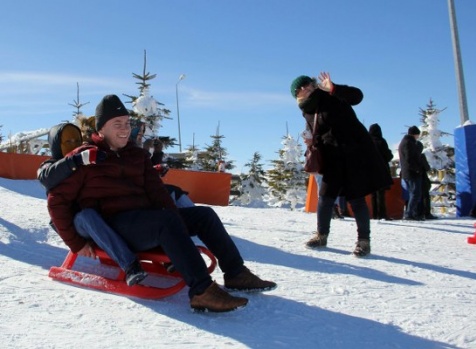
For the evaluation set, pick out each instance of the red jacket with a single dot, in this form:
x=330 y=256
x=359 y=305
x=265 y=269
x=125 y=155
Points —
x=124 y=181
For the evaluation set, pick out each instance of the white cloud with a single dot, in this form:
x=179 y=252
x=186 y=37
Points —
x=52 y=79
x=243 y=100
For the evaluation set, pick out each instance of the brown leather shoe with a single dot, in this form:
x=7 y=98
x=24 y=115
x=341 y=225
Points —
x=214 y=299
x=248 y=282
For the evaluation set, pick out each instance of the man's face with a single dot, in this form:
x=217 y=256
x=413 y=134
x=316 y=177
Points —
x=305 y=91
x=116 y=132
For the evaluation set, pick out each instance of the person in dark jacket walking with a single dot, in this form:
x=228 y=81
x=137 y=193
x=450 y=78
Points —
x=410 y=171
x=379 y=207
x=130 y=195
x=352 y=166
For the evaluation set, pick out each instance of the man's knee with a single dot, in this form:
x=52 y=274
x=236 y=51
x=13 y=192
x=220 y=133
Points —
x=87 y=213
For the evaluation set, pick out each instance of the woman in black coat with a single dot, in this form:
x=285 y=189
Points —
x=352 y=166
x=379 y=207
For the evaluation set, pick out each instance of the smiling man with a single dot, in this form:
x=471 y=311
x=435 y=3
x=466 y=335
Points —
x=129 y=194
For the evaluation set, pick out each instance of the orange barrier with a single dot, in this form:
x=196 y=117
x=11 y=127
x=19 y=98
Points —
x=393 y=199
x=20 y=166
x=311 y=199
x=212 y=188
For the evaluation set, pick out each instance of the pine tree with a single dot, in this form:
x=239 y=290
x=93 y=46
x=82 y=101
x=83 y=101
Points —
x=287 y=181
x=78 y=105
x=440 y=156
x=145 y=108
x=253 y=183
x=208 y=160
x=192 y=161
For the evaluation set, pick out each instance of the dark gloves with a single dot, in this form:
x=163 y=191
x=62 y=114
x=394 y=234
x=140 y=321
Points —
x=89 y=156
x=162 y=168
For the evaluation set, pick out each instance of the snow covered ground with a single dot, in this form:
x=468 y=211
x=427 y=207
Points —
x=416 y=290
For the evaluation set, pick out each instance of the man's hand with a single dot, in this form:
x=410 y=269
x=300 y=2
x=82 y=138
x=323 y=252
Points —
x=89 y=156
x=87 y=251
x=325 y=82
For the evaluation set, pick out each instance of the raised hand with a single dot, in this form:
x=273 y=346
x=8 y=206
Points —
x=325 y=82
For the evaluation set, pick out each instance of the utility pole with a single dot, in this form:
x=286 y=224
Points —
x=463 y=106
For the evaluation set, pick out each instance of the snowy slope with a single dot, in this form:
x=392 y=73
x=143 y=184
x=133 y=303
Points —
x=416 y=290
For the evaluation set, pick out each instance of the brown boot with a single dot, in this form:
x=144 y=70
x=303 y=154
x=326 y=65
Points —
x=214 y=299
x=249 y=282
x=317 y=241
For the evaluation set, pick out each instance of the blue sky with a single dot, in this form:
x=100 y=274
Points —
x=239 y=58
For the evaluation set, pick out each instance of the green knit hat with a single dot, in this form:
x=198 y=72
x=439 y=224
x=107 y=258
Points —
x=299 y=82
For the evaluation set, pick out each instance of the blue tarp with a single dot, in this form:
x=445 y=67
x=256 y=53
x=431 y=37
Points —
x=465 y=159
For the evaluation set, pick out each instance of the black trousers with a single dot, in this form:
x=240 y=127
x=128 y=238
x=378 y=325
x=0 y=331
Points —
x=379 y=207
x=148 y=228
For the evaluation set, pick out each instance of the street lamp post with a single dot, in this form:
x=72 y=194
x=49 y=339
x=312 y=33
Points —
x=181 y=77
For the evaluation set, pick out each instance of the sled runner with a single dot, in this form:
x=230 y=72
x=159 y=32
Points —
x=159 y=284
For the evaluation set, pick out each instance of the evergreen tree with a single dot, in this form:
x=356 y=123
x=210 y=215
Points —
x=287 y=181
x=440 y=156
x=253 y=183
x=192 y=161
x=145 y=108
x=208 y=160
x=78 y=105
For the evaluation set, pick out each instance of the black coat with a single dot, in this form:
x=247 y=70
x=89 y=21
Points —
x=381 y=144
x=55 y=170
x=347 y=148
x=410 y=158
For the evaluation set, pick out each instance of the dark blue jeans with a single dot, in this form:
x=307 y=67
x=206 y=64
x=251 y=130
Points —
x=146 y=229
x=91 y=225
x=414 y=197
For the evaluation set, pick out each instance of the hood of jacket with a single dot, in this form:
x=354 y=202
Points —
x=55 y=139
x=375 y=131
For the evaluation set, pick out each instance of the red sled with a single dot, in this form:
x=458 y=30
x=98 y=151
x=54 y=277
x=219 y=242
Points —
x=159 y=284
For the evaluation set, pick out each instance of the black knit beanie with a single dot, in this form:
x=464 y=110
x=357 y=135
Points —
x=109 y=108
x=413 y=130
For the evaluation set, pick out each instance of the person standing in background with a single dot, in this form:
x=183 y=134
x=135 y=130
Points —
x=379 y=206
x=410 y=171
x=424 y=208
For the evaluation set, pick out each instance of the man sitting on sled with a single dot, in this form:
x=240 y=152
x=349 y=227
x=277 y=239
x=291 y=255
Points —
x=129 y=194
x=64 y=138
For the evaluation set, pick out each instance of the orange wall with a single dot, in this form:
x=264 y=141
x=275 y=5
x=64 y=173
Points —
x=393 y=199
x=20 y=166
x=212 y=188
